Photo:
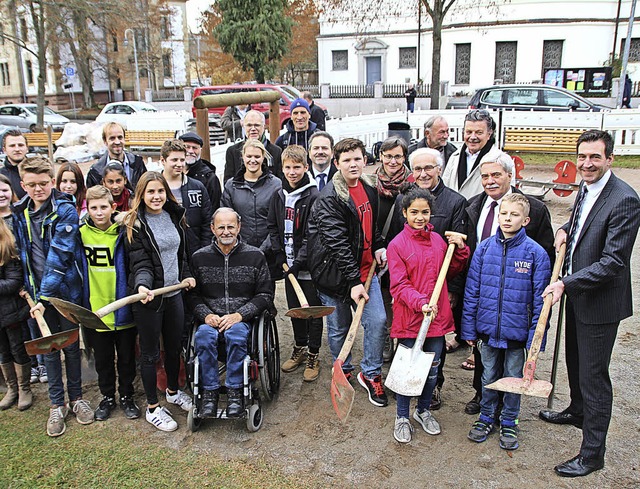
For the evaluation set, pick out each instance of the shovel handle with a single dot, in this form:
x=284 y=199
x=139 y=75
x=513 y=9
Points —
x=42 y=324
x=536 y=342
x=131 y=299
x=353 y=329
x=296 y=287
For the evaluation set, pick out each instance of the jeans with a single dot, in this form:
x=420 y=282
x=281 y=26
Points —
x=306 y=332
x=105 y=346
x=72 y=362
x=12 y=345
x=499 y=363
x=374 y=325
x=436 y=345
x=206 y=342
x=31 y=331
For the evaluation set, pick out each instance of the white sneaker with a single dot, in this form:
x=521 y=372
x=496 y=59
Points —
x=179 y=399
x=427 y=421
x=42 y=374
x=402 y=430
x=161 y=419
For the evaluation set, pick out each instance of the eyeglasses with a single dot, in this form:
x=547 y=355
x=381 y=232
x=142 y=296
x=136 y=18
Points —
x=41 y=185
x=253 y=126
x=393 y=157
x=428 y=168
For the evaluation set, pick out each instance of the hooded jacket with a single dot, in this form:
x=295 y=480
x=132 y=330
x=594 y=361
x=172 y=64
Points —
x=136 y=166
x=205 y=173
x=292 y=136
x=195 y=201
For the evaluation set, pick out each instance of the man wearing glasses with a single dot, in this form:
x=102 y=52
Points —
x=436 y=136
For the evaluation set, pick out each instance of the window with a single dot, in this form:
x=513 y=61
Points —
x=505 y=69
x=558 y=99
x=165 y=28
x=463 y=64
x=493 y=97
x=522 y=97
x=24 y=31
x=340 y=60
x=4 y=74
x=552 y=54
x=166 y=64
x=29 y=67
x=634 y=49
x=114 y=39
x=407 y=57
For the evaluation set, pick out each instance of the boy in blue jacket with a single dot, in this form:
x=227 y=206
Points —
x=502 y=303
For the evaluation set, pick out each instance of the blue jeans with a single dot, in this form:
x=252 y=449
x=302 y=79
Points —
x=206 y=342
x=499 y=363
x=373 y=322
x=435 y=345
x=72 y=362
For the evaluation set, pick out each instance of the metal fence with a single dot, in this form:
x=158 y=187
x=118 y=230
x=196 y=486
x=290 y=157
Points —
x=397 y=90
x=168 y=94
x=351 y=91
x=313 y=89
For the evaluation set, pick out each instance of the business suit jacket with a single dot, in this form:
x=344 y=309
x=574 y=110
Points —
x=600 y=283
x=332 y=171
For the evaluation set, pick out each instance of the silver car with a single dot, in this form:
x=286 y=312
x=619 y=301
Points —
x=24 y=116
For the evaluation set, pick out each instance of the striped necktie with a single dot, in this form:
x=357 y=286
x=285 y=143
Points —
x=571 y=238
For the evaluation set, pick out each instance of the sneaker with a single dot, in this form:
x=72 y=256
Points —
x=312 y=370
x=34 y=375
x=374 y=388
x=480 y=431
x=298 y=357
x=42 y=374
x=55 y=424
x=402 y=430
x=161 y=419
x=436 y=400
x=130 y=408
x=179 y=399
x=388 y=350
x=509 y=437
x=105 y=407
x=427 y=421
x=82 y=410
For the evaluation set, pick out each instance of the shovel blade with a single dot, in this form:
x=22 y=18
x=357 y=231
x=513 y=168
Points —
x=409 y=371
x=310 y=312
x=78 y=314
x=47 y=344
x=342 y=393
x=537 y=388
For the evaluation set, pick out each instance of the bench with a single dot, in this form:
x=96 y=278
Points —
x=147 y=139
x=541 y=139
x=41 y=139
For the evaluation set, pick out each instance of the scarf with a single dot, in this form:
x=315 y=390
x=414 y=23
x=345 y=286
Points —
x=462 y=163
x=122 y=202
x=302 y=183
x=389 y=186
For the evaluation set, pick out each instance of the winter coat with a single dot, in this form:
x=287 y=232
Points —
x=448 y=150
x=14 y=308
x=136 y=167
x=195 y=201
x=62 y=274
x=234 y=162
x=145 y=263
x=335 y=238
x=415 y=258
x=503 y=294
x=231 y=122
x=294 y=137
x=205 y=173
x=318 y=116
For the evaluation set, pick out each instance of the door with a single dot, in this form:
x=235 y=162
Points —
x=374 y=69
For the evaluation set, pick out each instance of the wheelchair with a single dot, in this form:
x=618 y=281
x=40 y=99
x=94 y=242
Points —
x=261 y=369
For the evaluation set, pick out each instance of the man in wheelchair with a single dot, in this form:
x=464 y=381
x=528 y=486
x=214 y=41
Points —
x=233 y=288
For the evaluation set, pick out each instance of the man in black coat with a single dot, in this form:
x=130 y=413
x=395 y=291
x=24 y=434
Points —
x=436 y=136
x=15 y=147
x=321 y=169
x=317 y=114
x=597 y=282
x=201 y=170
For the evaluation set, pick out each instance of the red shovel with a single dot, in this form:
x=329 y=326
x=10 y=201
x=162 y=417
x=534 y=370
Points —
x=49 y=342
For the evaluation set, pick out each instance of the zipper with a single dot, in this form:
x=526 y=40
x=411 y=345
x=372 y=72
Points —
x=502 y=268
x=226 y=282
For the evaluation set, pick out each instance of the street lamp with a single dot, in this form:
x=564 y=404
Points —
x=135 y=58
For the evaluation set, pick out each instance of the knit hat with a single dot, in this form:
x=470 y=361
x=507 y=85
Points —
x=191 y=137
x=300 y=102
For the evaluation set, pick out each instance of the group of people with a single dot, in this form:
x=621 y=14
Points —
x=304 y=208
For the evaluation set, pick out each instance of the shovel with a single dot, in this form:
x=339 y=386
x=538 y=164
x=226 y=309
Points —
x=49 y=342
x=410 y=368
x=342 y=393
x=305 y=311
x=89 y=319
x=527 y=384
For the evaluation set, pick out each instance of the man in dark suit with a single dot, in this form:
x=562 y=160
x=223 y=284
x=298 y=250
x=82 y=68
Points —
x=482 y=222
x=321 y=170
x=597 y=284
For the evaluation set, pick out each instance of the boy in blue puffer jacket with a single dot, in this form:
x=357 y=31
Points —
x=502 y=303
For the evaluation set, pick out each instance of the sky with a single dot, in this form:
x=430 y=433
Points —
x=194 y=12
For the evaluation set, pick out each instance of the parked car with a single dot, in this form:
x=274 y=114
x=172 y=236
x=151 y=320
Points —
x=120 y=112
x=531 y=97
x=25 y=117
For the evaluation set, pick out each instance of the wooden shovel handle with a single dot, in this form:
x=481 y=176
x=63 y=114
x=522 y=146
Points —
x=296 y=287
x=353 y=329
x=536 y=342
x=131 y=299
x=42 y=324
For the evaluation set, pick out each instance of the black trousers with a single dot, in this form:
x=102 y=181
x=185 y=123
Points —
x=588 y=349
x=306 y=332
x=106 y=345
x=12 y=345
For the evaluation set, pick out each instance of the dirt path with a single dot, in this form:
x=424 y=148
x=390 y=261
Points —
x=302 y=436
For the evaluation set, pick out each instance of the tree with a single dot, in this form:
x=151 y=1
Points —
x=303 y=53
x=256 y=33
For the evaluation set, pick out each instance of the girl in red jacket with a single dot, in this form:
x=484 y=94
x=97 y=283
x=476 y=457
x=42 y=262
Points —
x=415 y=257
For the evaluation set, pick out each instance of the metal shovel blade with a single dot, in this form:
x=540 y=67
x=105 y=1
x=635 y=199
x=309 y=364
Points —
x=342 y=393
x=78 y=314
x=310 y=312
x=409 y=371
x=47 y=344
x=537 y=388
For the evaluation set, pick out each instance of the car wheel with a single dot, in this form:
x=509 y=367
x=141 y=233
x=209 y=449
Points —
x=32 y=128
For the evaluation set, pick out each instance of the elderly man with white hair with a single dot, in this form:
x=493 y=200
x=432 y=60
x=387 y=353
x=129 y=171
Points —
x=436 y=136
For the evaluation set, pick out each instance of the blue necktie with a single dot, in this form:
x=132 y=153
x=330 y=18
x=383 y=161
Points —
x=321 y=182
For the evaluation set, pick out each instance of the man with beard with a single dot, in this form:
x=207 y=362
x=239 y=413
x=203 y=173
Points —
x=15 y=147
x=436 y=136
x=200 y=169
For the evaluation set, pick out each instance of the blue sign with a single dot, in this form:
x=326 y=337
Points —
x=69 y=71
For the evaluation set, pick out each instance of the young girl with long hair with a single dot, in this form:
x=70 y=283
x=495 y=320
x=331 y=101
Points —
x=155 y=230
x=115 y=179
x=70 y=180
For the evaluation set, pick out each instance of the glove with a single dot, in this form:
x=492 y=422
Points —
x=293 y=270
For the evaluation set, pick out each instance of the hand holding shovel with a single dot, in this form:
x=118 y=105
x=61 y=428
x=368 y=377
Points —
x=305 y=311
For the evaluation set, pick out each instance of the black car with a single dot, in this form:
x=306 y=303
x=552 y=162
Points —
x=531 y=97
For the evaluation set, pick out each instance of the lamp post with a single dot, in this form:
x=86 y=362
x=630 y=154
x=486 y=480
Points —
x=135 y=58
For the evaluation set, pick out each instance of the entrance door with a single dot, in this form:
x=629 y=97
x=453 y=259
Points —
x=374 y=69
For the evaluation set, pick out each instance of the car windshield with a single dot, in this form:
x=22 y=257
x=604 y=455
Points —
x=144 y=108
x=34 y=110
x=291 y=91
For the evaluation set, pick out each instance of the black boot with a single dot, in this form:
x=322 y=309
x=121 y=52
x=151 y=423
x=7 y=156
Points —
x=209 y=404
x=234 y=403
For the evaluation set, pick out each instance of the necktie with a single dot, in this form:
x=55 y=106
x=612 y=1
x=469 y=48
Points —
x=488 y=224
x=574 y=227
x=321 y=182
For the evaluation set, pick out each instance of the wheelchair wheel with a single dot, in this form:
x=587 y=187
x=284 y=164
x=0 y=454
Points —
x=193 y=422
x=269 y=356
x=254 y=418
